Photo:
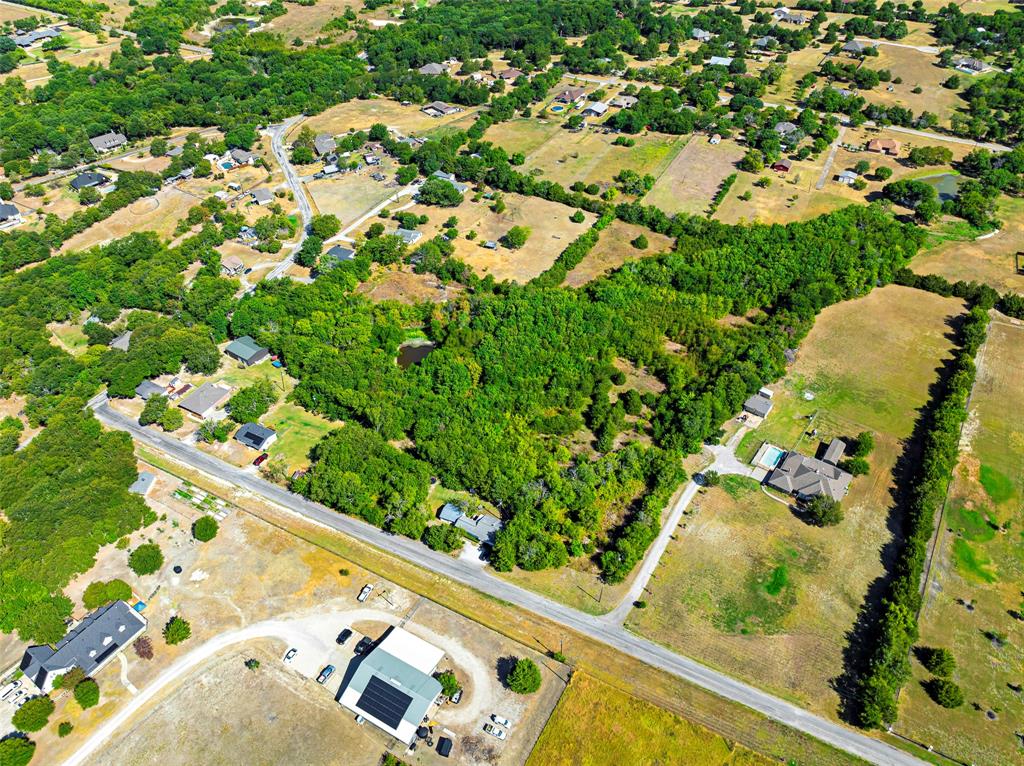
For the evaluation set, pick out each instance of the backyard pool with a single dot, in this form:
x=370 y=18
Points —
x=768 y=456
x=556 y=108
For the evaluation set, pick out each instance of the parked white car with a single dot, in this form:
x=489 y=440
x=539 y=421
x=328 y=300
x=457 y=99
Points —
x=494 y=731
x=500 y=721
x=9 y=690
x=364 y=593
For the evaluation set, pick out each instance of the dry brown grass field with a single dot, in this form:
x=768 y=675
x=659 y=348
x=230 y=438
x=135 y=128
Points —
x=360 y=115
x=405 y=286
x=159 y=213
x=979 y=562
x=989 y=260
x=750 y=588
x=691 y=180
x=613 y=249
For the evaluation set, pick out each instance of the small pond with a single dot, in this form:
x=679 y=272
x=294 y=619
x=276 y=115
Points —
x=229 y=23
x=946 y=184
x=413 y=352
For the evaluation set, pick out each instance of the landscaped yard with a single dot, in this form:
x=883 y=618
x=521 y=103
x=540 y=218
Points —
x=747 y=586
x=975 y=585
x=298 y=431
x=596 y=724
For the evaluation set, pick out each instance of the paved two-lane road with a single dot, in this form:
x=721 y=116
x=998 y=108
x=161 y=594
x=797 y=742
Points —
x=481 y=579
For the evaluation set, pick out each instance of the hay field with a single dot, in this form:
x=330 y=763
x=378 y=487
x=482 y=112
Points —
x=980 y=561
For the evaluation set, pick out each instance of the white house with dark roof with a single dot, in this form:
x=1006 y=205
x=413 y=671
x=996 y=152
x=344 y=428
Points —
x=90 y=645
x=108 y=142
x=255 y=436
x=243 y=157
x=409 y=236
x=88 y=180
x=807 y=477
x=9 y=215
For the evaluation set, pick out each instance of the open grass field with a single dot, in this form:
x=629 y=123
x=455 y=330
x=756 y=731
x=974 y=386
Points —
x=14 y=12
x=596 y=724
x=159 y=213
x=297 y=432
x=749 y=587
x=403 y=285
x=349 y=196
x=989 y=260
x=84 y=48
x=691 y=180
x=550 y=232
x=798 y=64
x=589 y=156
x=69 y=337
x=613 y=249
x=525 y=135
x=916 y=69
x=360 y=115
x=980 y=561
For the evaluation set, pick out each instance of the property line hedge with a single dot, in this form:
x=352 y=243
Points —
x=576 y=250
x=894 y=635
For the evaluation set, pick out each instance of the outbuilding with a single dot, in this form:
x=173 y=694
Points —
x=247 y=351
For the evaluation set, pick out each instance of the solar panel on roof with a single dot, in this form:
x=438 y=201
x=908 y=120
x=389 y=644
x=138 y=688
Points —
x=384 y=702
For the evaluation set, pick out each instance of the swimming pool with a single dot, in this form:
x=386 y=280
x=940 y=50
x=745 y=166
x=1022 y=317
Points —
x=556 y=108
x=768 y=456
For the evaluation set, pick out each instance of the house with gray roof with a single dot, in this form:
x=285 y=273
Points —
x=254 y=436
x=262 y=196
x=30 y=38
x=246 y=350
x=148 y=388
x=90 y=645
x=335 y=255
x=807 y=477
x=409 y=236
x=440 y=109
x=122 y=341
x=481 y=527
x=624 y=102
x=88 y=180
x=785 y=129
x=433 y=70
x=392 y=687
x=759 y=404
x=243 y=157
x=764 y=42
x=857 y=48
x=205 y=399
x=9 y=214
x=720 y=61
x=108 y=142
x=450 y=178
x=701 y=35
x=324 y=144
x=143 y=483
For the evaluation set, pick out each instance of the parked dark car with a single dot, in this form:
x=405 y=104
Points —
x=325 y=674
x=364 y=644
x=261 y=459
x=344 y=636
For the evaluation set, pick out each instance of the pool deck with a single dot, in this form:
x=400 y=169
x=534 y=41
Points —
x=768 y=456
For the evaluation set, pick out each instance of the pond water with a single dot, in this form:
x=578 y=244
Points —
x=232 y=22
x=946 y=184
x=413 y=353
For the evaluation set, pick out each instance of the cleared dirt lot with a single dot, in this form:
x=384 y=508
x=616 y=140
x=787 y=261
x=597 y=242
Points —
x=749 y=587
x=250 y=716
x=403 y=285
x=693 y=177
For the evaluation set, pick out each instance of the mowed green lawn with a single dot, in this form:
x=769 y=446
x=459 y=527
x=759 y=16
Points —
x=747 y=586
x=980 y=562
x=596 y=724
x=297 y=432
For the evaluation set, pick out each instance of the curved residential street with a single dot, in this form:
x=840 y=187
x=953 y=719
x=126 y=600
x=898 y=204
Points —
x=602 y=629
x=277 y=134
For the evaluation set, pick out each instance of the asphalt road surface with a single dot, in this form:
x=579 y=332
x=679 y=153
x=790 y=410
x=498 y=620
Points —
x=481 y=579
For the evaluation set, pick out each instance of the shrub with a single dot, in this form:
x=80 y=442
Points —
x=939 y=662
x=99 y=593
x=944 y=692
x=863 y=444
x=577 y=217
x=153 y=410
x=252 y=664
x=711 y=478
x=449 y=683
x=205 y=529
x=63 y=729
x=177 y=630
x=857 y=466
x=143 y=647
x=516 y=237
x=525 y=677
x=87 y=693
x=34 y=714
x=443 y=537
x=823 y=511
x=16 y=751
x=146 y=559
x=640 y=243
